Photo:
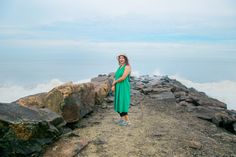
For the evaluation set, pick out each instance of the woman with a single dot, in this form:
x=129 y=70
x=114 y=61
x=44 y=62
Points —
x=121 y=87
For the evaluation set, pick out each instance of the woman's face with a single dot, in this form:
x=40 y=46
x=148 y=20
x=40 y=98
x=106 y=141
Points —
x=122 y=60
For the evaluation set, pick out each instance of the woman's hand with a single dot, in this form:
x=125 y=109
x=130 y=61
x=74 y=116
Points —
x=114 y=83
x=113 y=88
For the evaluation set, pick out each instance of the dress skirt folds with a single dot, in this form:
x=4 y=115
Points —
x=122 y=92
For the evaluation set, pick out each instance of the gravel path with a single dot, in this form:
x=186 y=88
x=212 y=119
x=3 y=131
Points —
x=157 y=129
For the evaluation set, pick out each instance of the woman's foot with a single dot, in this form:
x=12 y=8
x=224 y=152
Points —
x=118 y=121
x=123 y=123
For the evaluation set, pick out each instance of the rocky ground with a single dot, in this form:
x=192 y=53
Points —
x=158 y=128
x=77 y=120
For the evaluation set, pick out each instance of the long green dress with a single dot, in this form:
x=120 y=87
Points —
x=122 y=92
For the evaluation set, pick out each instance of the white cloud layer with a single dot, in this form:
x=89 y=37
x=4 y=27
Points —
x=182 y=49
x=44 y=11
x=223 y=90
x=10 y=93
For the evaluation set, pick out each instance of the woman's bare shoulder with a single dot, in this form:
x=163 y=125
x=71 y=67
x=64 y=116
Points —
x=127 y=66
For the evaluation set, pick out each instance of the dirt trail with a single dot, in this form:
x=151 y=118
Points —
x=158 y=129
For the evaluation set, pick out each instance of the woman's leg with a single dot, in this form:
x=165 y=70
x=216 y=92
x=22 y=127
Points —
x=124 y=115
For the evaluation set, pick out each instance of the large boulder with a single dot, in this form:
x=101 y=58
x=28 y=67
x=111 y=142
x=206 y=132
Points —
x=72 y=101
x=102 y=85
x=24 y=131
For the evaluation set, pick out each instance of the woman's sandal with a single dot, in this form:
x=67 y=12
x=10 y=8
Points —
x=123 y=123
x=118 y=121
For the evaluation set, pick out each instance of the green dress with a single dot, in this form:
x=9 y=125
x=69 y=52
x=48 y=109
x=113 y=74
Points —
x=122 y=92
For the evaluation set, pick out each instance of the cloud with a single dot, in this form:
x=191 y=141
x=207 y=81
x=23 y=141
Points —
x=135 y=73
x=157 y=73
x=133 y=20
x=43 y=11
x=181 y=49
x=10 y=93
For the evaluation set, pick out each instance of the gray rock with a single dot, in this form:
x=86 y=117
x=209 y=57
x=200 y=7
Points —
x=204 y=112
x=135 y=92
x=152 y=90
x=24 y=131
x=109 y=99
x=164 y=96
x=203 y=100
x=223 y=119
x=195 y=144
x=234 y=126
x=180 y=94
x=100 y=141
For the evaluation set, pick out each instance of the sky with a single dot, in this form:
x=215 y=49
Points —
x=201 y=30
x=72 y=22
x=200 y=33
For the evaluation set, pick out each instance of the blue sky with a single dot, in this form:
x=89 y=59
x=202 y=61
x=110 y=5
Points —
x=180 y=28
x=118 y=21
x=165 y=29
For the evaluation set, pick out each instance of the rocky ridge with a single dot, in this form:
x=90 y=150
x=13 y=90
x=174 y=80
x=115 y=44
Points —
x=158 y=103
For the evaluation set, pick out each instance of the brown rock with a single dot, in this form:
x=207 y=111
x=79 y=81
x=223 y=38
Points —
x=72 y=101
x=102 y=86
x=195 y=144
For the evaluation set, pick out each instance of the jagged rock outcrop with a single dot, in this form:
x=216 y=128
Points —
x=161 y=125
x=26 y=131
x=72 y=101
x=187 y=99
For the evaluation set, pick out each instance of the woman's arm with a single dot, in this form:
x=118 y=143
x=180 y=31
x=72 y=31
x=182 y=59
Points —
x=126 y=73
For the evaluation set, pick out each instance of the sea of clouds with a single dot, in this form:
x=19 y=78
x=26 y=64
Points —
x=223 y=90
x=10 y=93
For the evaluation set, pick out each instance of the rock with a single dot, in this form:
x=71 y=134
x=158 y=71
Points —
x=135 y=92
x=200 y=99
x=156 y=90
x=109 y=99
x=188 y=106
x=102 y=87
x=33 y=100
x=159 y=134
x=100 y=141
x=24 y=131
x=223 y=119
x=195 y=144
x=226 y=137
x=72 y=101
x=137 y=85
x=67 y=146
x=234 y=126
x=168 y=96
x=180 y=94
x=134 y=102
x=185 y=104
x=104 y=105
x=205 y=112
